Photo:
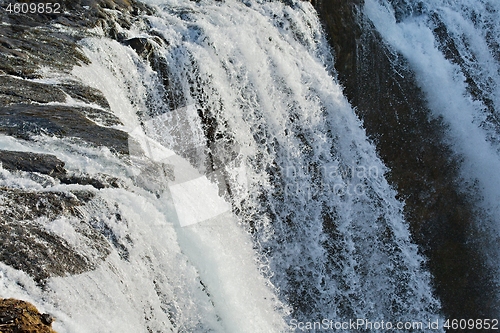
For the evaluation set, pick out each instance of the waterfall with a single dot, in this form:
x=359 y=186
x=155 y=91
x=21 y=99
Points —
x=452 y=46
x=251 y=197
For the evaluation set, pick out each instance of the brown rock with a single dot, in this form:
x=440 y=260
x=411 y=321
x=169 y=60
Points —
x=18 y=316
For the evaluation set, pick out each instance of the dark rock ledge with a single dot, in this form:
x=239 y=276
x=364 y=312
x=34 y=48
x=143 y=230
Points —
x=31 y=162
x=24 y=121
x=29 y=108
x=50 y=165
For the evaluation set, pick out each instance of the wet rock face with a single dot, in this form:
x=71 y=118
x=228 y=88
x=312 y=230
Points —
x=14 y=90
x=23 y=121
x=50 y=165
x=25 y=161
x=386 y=97
x=18 y=316
x=142 y=46
x=29 y=218
x=30 y=42
x=90 y=96
x=28 y=243
x=406 y=8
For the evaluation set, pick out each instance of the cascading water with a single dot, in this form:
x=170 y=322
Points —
x=276 y=209
x=453 y=47
x=315 y=196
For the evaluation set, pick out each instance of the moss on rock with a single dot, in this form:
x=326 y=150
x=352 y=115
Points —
x=18 y=316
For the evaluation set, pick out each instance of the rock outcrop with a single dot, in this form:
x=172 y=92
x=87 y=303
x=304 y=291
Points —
x=27 y=120
x=27 y=241
x=30 y=108
x=31 y=162
x=18 y=316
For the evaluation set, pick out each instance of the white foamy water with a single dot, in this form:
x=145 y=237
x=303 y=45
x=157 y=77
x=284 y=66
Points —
x=336 y=245
x=465 y=93
x=277 y=209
